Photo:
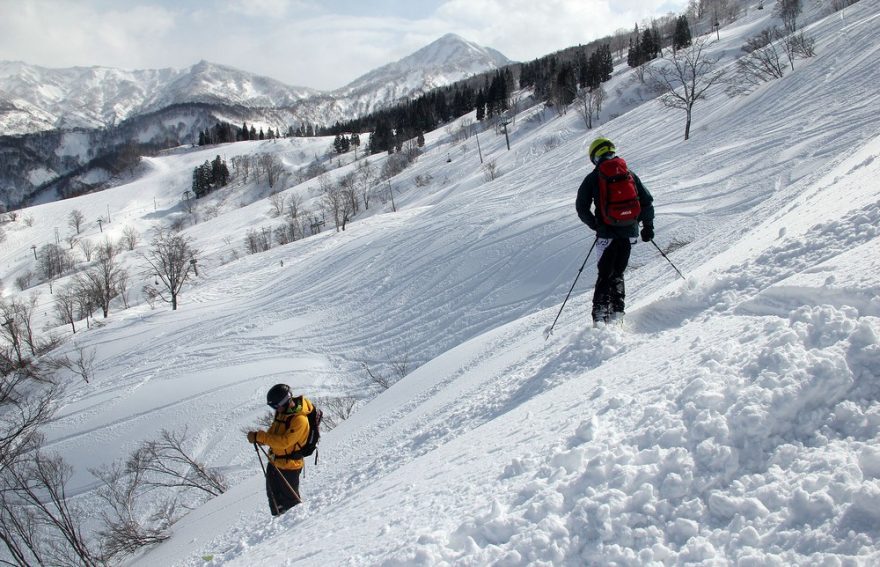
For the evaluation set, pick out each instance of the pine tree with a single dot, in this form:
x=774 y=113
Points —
x=681 y=37
x=605 y=62
x=648 y=49
x=566 y=85
x=219 y=173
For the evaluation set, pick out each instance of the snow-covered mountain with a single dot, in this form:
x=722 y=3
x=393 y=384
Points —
x=34 y=98
x=97 y=97
x=443 y=62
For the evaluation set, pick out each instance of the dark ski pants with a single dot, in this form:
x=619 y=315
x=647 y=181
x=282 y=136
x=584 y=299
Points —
x=610 y=292
x=281 y=499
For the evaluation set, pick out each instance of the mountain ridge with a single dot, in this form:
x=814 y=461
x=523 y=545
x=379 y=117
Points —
x=40 y=98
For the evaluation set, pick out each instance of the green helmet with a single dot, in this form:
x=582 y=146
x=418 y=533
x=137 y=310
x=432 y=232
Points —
x=600 y=147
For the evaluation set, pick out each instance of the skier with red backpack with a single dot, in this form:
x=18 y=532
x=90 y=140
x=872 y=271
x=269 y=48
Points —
x=620 y=201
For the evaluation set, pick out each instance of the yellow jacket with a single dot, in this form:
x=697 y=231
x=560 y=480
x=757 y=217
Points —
x=287 y=434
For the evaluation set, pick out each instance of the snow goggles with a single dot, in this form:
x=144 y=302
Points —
x=280 y=403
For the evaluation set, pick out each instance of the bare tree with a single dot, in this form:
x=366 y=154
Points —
x=332 y=199
x=799 y=46
x=348 y=185
x=103 y=279
x=411 y=150
x=53 y=261
x=336 y=410
x=174 y=467
x=35 y=497
x=134 y=515
x=122 y=286
x=16 y=330
x=65 y=305
x=366 y=174
x=788 y=10
x=82 y=364
x=130 y=237
x=25 y=310
x=400 y=367
x=491 y=171
x=762 y=63
x=24 y=408
x=88 y=248
x=271 y=166
x=278 y=202
x=242 y=164
x=256 y=241
x=125 y=528
x=683 y=77
x=589 y=103
x=599 y=97
x=23 y=281
x=75 y=219
x=384 y=382
x=295 y=217
x=171 y=260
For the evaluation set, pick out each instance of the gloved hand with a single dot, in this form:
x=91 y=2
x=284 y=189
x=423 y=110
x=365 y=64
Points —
x=647 y=231
x=252 y=436
x=591 y=222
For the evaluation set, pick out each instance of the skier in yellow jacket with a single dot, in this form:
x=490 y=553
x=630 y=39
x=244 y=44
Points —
x=288 y=433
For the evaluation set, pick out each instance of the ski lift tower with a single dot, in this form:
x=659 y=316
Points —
x=505 y=120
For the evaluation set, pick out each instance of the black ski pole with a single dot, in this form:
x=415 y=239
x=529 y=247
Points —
x=549 y=330
x=277 y=470
x=266 y=474
x=668 y=260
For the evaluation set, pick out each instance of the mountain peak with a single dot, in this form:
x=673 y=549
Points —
x=444 y=61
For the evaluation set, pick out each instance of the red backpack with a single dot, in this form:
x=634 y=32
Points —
x=618 y=197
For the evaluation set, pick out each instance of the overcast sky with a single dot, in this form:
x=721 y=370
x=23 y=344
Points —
x=323 y=44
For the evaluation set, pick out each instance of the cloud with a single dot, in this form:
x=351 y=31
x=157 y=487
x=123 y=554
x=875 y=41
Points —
x=524 y=29
x=272 y=9
x=323 y=44
x=60 y=34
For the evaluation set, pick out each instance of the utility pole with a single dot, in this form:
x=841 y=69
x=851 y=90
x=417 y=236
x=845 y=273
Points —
x=504 y=123
x=477 y=134
x=34 y=248
x=100 y=224
x=391 y=192
x=108 y=213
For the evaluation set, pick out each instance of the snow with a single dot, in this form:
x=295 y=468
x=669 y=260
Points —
x=734 y=419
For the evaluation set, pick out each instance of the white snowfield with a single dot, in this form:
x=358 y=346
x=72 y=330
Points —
x=734 y=420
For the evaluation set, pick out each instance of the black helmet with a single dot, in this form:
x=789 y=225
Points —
x=278 y=395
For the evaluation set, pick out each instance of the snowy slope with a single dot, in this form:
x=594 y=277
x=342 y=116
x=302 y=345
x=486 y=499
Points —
x=734 y=421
